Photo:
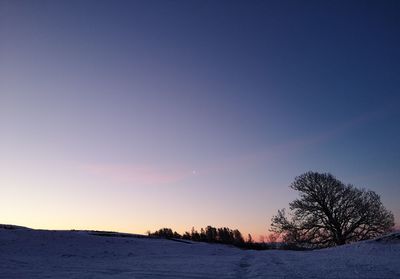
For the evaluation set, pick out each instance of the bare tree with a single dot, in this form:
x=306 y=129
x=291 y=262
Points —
x=330 y=213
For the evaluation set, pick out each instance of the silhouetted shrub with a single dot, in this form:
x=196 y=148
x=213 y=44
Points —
x=165 y=233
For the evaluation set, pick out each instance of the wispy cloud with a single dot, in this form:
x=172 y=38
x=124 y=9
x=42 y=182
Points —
x=152 y=175
x=294 y=145
x=137 y=174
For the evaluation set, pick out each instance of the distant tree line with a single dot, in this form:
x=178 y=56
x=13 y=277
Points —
x=211 y=234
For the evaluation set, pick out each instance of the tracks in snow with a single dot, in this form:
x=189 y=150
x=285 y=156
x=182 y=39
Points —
x=244 y=266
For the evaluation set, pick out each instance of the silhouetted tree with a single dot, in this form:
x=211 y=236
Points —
x=177 y=235
x=211 y=234
x=330 y=213
x=187 y=236
x=237 y=237
x=203 y=236
x=249 y=239
x=225 y=235
x=195 y=235
x=164 y=232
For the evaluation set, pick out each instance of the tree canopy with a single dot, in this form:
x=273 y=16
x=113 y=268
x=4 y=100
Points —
x=330 y=213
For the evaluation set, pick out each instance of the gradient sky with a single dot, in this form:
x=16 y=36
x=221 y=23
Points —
x=135 y=115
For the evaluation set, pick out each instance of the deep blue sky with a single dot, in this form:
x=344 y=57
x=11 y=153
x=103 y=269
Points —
x=206 y=108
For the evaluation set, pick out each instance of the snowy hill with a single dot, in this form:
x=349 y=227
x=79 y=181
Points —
x=26 y=253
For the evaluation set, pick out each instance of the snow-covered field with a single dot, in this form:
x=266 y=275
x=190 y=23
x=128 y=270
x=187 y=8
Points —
x=26 y=253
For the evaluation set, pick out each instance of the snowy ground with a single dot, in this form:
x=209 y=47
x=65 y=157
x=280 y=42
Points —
x=28 y=253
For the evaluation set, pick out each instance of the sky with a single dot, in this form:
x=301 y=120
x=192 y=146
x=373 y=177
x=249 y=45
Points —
x=136 y=115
